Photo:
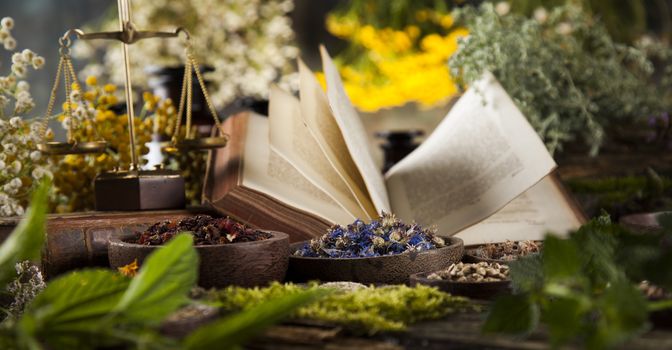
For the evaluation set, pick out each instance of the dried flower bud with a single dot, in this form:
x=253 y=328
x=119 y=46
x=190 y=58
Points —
x=7 y=23
x=10 y=43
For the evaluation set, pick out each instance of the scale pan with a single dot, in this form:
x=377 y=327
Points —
x=62 y=148
x=204 y=143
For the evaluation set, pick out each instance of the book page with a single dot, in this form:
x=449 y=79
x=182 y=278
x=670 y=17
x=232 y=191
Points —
x=266 y=171
x=320 y=121
x=292 y=140
x=479 y=158
x=354 y=134
x=541 y=209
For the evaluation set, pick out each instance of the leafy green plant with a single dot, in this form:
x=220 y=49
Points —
x=584 y=288
x=564 y=71
x=94 y=308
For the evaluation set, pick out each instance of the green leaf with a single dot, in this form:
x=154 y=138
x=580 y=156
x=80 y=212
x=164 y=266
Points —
x=232 y=331
x=564 y=317
x=514 y=314
x=623 y=313
x=163 y=282
x=527 y=273
x=560 y=258
x=25 y=242
x=73 y=306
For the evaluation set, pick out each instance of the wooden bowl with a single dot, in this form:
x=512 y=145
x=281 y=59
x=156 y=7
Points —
x=473 y=290
x=389 y=269
x=246 y=264
x=472 y=258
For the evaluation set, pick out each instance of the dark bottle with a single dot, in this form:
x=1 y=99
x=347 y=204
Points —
x=398 y=144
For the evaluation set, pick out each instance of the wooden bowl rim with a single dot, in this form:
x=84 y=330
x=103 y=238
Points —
x=276 y=236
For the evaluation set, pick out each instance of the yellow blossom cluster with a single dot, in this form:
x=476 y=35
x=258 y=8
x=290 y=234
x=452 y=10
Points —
x=74 y=174
x=396 y=67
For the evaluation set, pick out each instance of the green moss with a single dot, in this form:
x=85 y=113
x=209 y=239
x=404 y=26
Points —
x=368 y=310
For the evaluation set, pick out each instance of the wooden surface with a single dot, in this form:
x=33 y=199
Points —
x=459 y=331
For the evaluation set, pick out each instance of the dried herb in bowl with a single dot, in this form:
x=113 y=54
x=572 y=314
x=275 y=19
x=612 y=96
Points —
x=476 y=272
x=205 y=229
x=507 y=251
x=384 y=236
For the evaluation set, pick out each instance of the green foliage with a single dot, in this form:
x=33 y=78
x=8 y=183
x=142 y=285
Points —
x=163 y=282
x=622 y=195
x=584 y=288
x=25 y=242
x=367 y=310
x=237 y=328
x=565 y=73
x=90 y=308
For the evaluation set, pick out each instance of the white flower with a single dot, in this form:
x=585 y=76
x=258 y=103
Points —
x=3 y=102
x=9 y=148
x=564 y=28
x=38 y=62
x=6 y=210
x=7 y=23
x=22 y=86
x=16 y=168
x=27 y=55
x=19 y=70
x=35 y=156
x=2 y=165
x=16 y=122
x=540 y=14
x=76 y=95
x=4 y=34
x=503 y=8
x=17 y=58
x=10 y=44
x=40 y=172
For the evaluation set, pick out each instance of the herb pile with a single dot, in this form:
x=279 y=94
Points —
x=507 y=251
x=205 y=230
x=98 y=308
x=477 y=272
x=362 y=310
x=563 y=70
x=585 y=288
x=385 y=236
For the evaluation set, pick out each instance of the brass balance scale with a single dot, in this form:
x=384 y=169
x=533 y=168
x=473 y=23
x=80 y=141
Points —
x=132 y=189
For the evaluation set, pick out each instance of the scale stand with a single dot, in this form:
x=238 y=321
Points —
x=135 y=189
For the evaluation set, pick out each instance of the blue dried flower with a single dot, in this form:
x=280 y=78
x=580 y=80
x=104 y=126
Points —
x=385 y=236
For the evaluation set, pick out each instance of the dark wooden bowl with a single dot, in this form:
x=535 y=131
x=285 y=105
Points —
x=472 y=258
x=389 y=269
x=643 y=222
x=247 y=264
x=473 y=290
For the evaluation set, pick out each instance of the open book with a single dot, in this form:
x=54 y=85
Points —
x=308 y=166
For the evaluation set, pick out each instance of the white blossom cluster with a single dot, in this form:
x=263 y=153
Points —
x=27 y=285
x=249 y=43
x=81 y=110
x=21 y=165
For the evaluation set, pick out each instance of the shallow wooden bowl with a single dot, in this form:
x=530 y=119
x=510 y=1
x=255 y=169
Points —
x=389 y=269
x=247 y=264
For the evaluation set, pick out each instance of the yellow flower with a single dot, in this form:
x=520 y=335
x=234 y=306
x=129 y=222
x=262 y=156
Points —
x=110 y=88
x=91 y=80
x=447 y=21
x=75 y=86
x=129 y=270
